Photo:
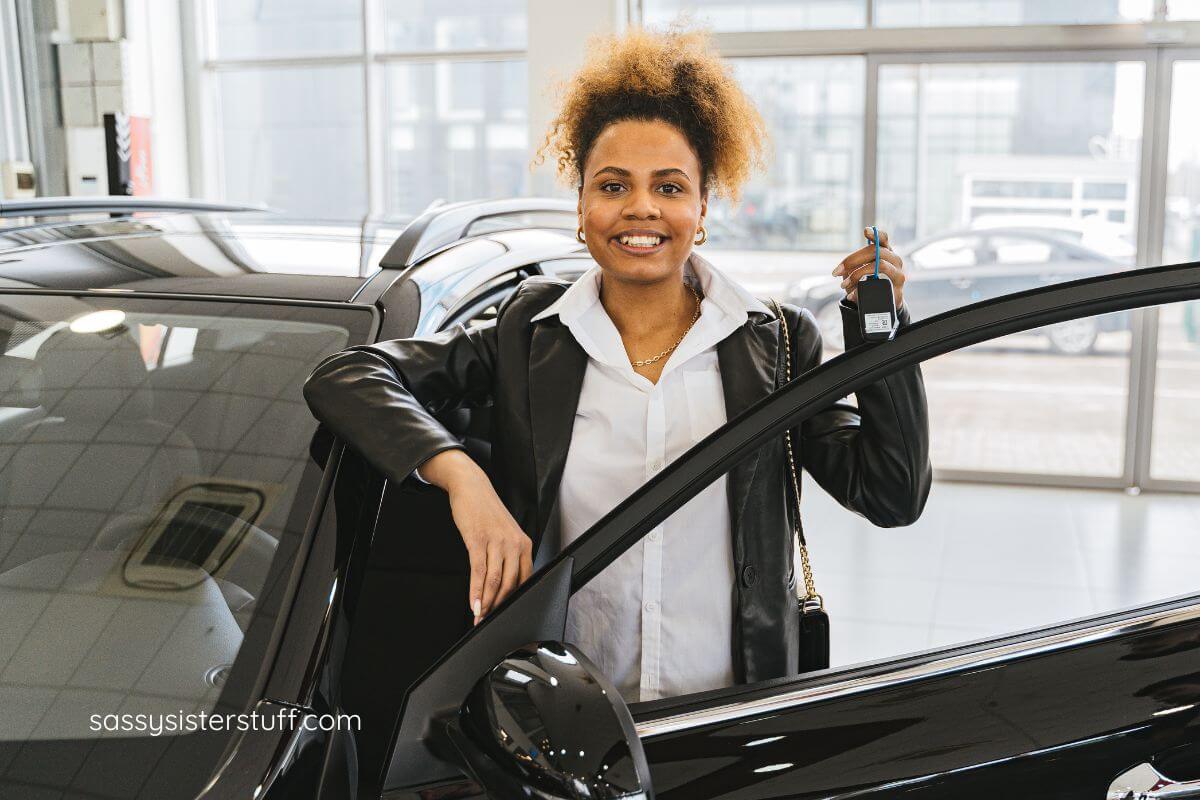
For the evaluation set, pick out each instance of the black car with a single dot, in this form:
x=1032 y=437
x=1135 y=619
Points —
x=961 y=267
x=182 y=542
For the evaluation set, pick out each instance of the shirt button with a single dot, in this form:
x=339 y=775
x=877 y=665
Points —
x=651 y=606
x=653 y=536
x=655 y=466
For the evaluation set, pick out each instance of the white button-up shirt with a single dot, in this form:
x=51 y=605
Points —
x=659 y=619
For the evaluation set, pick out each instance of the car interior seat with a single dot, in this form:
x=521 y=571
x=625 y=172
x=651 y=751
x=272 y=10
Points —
x=95 y=451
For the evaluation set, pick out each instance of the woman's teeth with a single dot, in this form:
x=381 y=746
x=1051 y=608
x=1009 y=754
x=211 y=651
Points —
x=640 y=241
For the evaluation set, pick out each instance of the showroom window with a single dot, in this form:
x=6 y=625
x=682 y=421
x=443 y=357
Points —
x=1033 y=152
x=763 y=15
x=334 y=110
x=995 y=165
x=911 y=13
x=976 y=145
x=277 y=124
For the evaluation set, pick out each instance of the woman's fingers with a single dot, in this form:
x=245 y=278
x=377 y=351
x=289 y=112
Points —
x=866 y=255
x=494 y=577
x=498 y=549
x=894 y=272
x=508 y=563
x=478 y=556
x=526 y=565
x=512 y=572
x=890 y=264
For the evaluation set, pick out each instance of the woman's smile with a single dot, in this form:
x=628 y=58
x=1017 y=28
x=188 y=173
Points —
x=640 y=242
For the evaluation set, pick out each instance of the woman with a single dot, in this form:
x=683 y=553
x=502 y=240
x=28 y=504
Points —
x=596 y=386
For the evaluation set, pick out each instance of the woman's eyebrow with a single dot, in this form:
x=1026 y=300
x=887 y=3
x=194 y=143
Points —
x=658 y=173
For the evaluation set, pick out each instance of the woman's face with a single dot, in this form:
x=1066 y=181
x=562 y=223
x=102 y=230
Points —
x=641 y=178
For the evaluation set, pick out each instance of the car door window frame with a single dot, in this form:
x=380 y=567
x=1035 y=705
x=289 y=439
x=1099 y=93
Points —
x=491 y=293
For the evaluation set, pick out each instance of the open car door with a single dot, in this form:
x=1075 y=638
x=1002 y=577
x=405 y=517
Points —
x=1102 y=705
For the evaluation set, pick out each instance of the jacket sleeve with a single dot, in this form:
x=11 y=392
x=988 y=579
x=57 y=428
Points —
x=380 y=398
x=873 y=459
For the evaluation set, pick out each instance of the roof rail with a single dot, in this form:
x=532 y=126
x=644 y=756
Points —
x=116 y=204
x=445 y=224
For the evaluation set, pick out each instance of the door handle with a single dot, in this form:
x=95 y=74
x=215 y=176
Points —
x=1144 y=782
x=961 y=283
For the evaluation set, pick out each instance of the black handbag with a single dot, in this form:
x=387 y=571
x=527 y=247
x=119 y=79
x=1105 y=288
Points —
x=810 y=607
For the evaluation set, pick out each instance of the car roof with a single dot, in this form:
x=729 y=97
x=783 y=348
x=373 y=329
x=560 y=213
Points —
x=1048 y=235
x=252 y=253
x=220 y=254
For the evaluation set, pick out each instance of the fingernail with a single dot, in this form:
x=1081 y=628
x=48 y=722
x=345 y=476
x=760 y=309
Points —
x=477 y=607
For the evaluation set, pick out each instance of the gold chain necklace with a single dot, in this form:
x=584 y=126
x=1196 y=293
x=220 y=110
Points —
x=695 y=316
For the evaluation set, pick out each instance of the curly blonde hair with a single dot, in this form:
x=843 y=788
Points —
x=673 y=76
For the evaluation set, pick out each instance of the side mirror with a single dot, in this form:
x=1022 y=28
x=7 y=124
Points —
x=545 y=723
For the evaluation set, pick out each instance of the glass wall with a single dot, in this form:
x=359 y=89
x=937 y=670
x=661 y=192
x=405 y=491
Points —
x=456 y=130
x=1174 y=453
x=454 y=24
x=294 y=138
x=992 y=173
x=797 y=214
x=286 y=28
x=911 y=13
x=762 y=15
x=294 y=130
x=1049 y=145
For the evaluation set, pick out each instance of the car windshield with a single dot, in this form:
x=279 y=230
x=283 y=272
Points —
x=154 y=469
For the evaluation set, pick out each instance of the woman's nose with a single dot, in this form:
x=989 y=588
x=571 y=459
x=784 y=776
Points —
x=641 y=203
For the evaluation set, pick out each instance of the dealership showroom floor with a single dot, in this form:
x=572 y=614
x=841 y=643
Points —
x=987 y=559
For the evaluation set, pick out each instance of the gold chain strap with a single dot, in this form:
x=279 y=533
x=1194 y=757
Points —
x=809 y=588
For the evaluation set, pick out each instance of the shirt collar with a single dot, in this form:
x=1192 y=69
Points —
x=725 y=293
x=725 y=308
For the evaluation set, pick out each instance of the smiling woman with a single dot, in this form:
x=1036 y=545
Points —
x=595 y=387
x=647 y=126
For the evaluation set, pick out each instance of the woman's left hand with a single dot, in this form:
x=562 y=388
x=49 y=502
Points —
x=862 y=262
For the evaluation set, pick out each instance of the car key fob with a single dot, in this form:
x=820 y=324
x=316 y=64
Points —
x=876 y=304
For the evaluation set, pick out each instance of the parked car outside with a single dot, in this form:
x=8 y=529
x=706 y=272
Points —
x=961 y=267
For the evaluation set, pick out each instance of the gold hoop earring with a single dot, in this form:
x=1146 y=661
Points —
x=703 y=236
x=579 y=235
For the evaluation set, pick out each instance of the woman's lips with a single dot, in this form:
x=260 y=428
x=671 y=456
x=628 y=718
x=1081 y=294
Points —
x=641 y=251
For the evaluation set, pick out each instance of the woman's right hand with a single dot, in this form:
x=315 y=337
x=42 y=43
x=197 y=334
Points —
x=500 y=552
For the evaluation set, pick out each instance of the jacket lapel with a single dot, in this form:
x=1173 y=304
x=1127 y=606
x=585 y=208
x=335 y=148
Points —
x=747 y=359
x=556 y=367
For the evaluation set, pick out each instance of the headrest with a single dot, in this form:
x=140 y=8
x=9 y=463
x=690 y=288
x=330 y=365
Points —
x=90 y=375
x=21 y=382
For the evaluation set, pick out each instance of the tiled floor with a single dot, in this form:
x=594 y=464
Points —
x=986 y=559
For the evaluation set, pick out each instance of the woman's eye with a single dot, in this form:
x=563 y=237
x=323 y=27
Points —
x=675 y=187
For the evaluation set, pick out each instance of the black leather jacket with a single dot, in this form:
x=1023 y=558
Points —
x=380 y=399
